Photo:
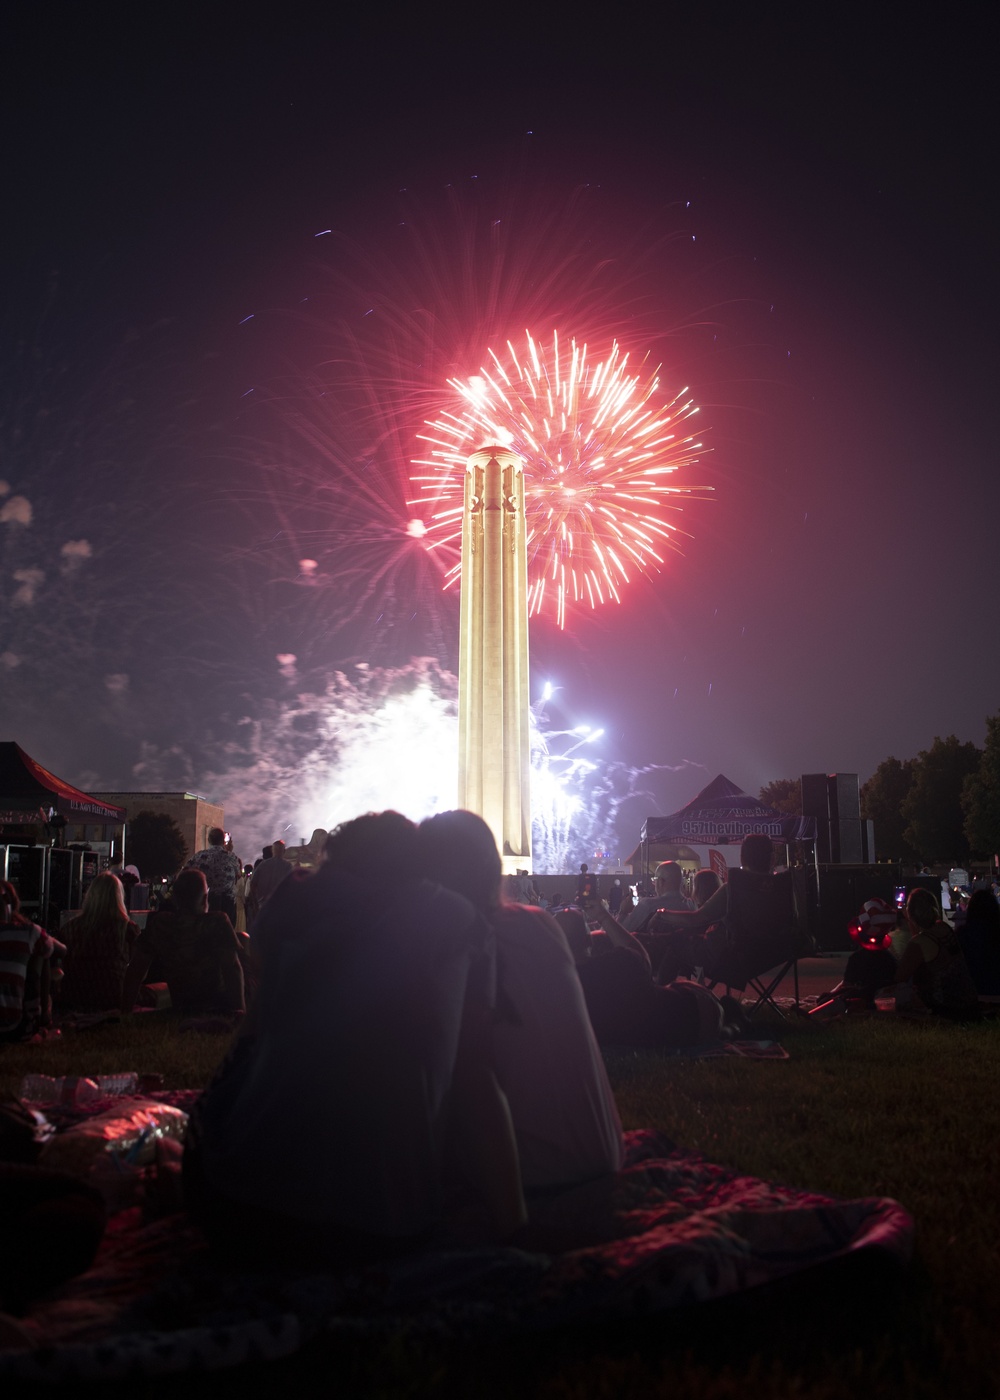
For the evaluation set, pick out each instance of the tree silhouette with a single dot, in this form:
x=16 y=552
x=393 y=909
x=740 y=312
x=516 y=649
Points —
x=981 y=796
x=933 y=805
x=882 y=798
x=155 y=844
x=784 y=795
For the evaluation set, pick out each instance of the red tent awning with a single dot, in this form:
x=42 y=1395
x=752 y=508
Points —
x=26 y=788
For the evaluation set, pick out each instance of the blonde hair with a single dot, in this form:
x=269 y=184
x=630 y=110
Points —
x=104 y=903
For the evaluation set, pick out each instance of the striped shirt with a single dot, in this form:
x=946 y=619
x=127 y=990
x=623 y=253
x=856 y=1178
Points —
x=22 y=947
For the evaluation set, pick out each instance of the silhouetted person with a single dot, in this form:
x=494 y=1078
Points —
x=699 y=938
x=667 y=879
x=271 y=872
x=625 y=1006
x=546 y=1058
x=99 y=944
x=198 y=952
x=586 y=887
x=25 y=953
x=979 y=938
x=221 y=870
x=360 y=1091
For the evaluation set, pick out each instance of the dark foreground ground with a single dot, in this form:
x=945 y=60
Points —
x=864 y=1105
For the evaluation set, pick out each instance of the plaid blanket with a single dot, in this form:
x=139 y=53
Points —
x=671 y=1229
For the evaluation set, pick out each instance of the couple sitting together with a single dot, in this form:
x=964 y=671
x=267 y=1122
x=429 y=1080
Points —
x=417 y=1066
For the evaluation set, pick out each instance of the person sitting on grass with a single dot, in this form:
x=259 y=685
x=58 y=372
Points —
x=25 y=951
x=98 y=947
x=873 y=964
x=932 y=962
x=625 y=1006
x=198 y=953
x=358 y=1116
x=543 y=1049
x=979 y=938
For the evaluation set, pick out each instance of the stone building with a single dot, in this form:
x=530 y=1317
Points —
x=194 y=815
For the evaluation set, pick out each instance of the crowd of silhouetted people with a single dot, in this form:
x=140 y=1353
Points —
x=419 y=1056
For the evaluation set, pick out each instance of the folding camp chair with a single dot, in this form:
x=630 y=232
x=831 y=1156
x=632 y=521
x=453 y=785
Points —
x=765 y=938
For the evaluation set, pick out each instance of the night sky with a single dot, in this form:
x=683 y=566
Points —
x=202 y=385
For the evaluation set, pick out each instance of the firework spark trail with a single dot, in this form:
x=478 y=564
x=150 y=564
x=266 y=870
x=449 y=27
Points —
x=336 y=549
x=376 y=738
x=394 y=315
x=369 y=741
x=597 y=445
x=332 y=559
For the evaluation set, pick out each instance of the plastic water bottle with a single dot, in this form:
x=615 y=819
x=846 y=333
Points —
x=118 y=1085
x=73 y=1090
x=70 y=1090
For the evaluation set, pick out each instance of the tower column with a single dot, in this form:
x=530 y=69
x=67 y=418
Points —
x=493 y=727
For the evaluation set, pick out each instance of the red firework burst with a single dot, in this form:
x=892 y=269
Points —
x=599 y=447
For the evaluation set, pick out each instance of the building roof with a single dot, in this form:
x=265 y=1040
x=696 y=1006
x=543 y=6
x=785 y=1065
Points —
x=144 y=792
x=27 y=789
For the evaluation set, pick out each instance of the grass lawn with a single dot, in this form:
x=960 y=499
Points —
x=864 y=1107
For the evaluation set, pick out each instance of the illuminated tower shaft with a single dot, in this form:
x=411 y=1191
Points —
x=493 y=738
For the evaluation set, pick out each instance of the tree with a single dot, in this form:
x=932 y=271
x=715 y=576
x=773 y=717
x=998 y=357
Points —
x=933 y=805
x=784 y=795
x=882 y=798
x=154 y=842
x=981 y=796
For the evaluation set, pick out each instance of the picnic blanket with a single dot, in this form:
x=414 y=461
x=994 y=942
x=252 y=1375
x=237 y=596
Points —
x=673 y=1228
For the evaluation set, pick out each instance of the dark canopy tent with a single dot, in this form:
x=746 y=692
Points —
x=28 y=792
x=722 y=815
